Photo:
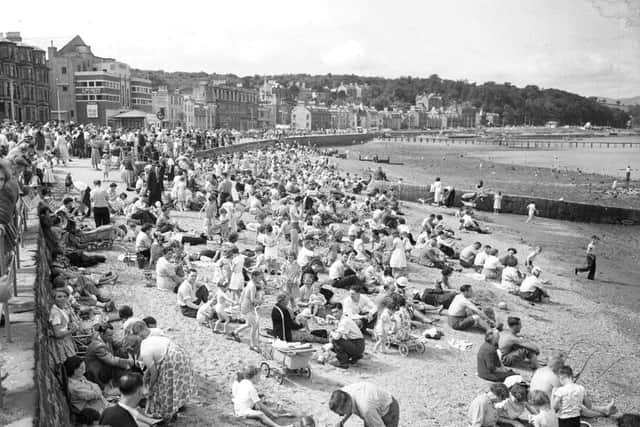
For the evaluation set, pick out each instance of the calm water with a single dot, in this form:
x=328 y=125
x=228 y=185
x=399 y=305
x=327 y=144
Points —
x=606 y=161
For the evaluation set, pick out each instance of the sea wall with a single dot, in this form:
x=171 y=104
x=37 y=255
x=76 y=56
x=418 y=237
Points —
x=310 y=140
x=52 y=408
x=515 y=204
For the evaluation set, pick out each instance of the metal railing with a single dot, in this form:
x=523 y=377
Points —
x=10 y=258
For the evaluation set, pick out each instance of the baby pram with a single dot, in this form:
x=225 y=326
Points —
x=469 y=199
x=289 y=357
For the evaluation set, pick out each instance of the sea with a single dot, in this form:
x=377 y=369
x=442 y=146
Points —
x=599 y=159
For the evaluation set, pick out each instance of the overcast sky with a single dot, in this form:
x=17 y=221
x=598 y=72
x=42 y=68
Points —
x=591 y=47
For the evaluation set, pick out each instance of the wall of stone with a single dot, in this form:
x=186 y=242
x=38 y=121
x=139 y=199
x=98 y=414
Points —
x=312 y=140
x=555 y=209
x=52 y=407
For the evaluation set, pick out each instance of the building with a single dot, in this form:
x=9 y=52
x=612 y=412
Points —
x=412 y=118
x=90 y=89
x=24 y=81
x=189 y=105
x=170 y=106
x=311 y=117
x=204 y=116
x=235 y=107
x=340 y=117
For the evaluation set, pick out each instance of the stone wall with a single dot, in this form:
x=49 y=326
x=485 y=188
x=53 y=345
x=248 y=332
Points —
x=312 y=140
x=555 y=209
x=52 y=406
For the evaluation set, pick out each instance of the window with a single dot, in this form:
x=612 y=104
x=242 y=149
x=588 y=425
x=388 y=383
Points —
x=65 y=88
x=63 y=70
x=71 y=113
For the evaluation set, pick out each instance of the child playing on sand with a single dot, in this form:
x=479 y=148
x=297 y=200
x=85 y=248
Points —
x=384 y=325
x=271 y=248
x=223 y=302
x=206 y=313
x=246 y=401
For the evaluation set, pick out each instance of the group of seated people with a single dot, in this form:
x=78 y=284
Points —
x=551 y=398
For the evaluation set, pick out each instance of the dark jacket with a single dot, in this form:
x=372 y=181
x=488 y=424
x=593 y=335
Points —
x=117 y=416
x=283 y=324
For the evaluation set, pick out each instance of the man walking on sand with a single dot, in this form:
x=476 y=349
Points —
x=591 y=259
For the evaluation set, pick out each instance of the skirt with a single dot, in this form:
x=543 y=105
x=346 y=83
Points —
x=175 y=385
x=398 y=259
x=61 y=349
x=129 y=177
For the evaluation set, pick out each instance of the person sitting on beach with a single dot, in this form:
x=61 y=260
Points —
x=545 y=378
x=467 y=222
x=489 y=366
x=514 y=349
x=531 y=287
x=481 y=257
x=290 y=330
x=468 y=254
x=482 y=411
x=247 y=403
x=189 y=298
x=463 y=314
x=166 y=277
x=492 y=269
x=570 y=401
x=514 y=410
x=545 y=416
x=510 y=276
x=510 y=258
x=361 y=309
x=431 y=256
x=85 y=397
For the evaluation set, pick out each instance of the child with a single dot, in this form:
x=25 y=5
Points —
x=68 y=183
x=271 y=248
x=224 y=301
x=224 y=219
x=532 y=255
x=247 y=402
x=497 y=202
x=105 y=165
x=545 y=416
x=316 y=299
x=383 y=325
x=236 y=281
x=210 y=208
x=206 y=313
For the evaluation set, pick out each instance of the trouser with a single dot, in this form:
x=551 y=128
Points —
x=350 y=282
x=348 y=351
x=392 y=417
x=101 y=216
x=534 y=296
x=143 y=258
x=436 y=297
x=188 y=311
x=145 y=217
x=569 y=422
x=590 y=267
x=466 y=264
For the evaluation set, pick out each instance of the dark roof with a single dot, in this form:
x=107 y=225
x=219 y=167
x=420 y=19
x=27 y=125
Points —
x=131 y=114
x=75 y=42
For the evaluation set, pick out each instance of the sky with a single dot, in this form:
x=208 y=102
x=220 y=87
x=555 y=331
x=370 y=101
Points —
x=590 y=47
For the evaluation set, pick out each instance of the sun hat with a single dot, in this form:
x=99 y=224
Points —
x=402 y=282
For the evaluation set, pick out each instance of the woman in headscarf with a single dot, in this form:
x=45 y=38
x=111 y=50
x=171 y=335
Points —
x=168 y=373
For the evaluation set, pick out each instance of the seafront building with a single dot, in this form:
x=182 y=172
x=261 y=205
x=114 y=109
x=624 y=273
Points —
x=86 y=88
x=24 y=81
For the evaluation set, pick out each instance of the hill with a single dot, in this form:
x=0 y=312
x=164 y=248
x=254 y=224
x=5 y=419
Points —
x=517 y=106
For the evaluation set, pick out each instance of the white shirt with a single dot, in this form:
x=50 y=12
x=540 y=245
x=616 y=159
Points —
x=510 y=278
x=186 y=294
x=353 y=309
x=571 y=396
x=491 y=262
x=530 y=283
x=531 y=207
x=336 y=271
x=244 y=396
x=304 y=255
x=468 y=254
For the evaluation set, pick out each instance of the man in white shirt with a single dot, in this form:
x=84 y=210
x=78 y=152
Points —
x=360 y=308
x=531 y=211
x=531 y=287
x=591 y=259
x=463 y=314
x=375 y=406
x=305 y=253
x=187 y=297
x=346 y=340
x=481 y=257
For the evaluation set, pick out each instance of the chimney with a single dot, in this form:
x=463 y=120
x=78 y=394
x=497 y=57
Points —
x=52 y=51
x=14 y=36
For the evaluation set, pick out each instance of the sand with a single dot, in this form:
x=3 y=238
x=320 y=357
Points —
x=434 y=389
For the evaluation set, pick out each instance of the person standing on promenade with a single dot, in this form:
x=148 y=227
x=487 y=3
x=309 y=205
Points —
x=497 y=202
x=591 y=259
x=628 y=176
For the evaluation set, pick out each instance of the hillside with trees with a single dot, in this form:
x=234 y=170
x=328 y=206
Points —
x=528 y=105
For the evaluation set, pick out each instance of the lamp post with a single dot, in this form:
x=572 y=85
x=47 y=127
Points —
x=58 y=99
x=13 y=113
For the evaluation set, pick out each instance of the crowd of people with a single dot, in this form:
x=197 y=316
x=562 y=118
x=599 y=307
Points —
x=281 y=227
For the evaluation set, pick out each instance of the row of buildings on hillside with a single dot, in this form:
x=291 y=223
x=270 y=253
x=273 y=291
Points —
x=73 y=84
